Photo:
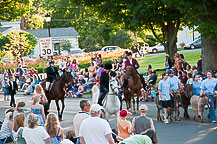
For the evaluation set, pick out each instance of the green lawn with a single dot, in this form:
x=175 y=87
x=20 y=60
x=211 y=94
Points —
x=158 y=62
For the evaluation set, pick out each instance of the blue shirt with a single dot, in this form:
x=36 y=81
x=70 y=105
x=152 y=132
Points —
x=208 y=86
x=164 y=87
x=197 y=88
x=174 y=83
x=53 y=69
x=36 y=82
x=153 y=93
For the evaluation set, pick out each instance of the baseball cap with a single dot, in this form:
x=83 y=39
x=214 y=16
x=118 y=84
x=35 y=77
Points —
x=124 y=113
x=95 y=108
x=143 y=107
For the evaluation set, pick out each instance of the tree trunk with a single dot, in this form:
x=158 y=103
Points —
x=209 y=54
x=171 y=39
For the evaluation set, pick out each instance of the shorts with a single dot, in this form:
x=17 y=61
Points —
x=166 y=104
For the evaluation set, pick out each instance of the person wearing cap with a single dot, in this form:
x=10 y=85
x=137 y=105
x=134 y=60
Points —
x=80 y=116
x=142 y=123
x=52 y=74
x=124 y=126
x=104 y=82
x=94 y=130
x=174 y=86
x=132 y=62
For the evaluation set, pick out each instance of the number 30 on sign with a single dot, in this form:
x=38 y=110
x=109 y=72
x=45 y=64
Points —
x=46 y=47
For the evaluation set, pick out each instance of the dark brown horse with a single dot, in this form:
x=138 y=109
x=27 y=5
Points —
x=57 y=91
x=133 y=87
x=186 y=93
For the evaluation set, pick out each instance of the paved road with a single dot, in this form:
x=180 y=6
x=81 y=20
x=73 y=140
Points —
x=183 y=132
x=182 y=51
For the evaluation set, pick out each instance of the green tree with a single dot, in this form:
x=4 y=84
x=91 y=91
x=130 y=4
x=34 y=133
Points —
x=202 y=14
x=12 y=9
x=20 y=43
x=65 y=45
x=137 y=15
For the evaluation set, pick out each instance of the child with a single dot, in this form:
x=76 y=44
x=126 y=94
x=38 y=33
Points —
x=80 y=91
x=70 y=135
x=124 y=126
x=29 y=89
x=153 y=93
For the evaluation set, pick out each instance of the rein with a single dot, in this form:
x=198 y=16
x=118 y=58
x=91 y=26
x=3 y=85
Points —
x=113 y=88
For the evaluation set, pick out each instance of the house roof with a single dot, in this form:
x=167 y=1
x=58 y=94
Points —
x=2 y=29
x=54 y=32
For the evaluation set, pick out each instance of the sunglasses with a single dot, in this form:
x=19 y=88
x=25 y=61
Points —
x=87 y=105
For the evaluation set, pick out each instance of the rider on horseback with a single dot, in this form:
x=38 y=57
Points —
x=104 y=82
x=52 y=74
x=132 y=62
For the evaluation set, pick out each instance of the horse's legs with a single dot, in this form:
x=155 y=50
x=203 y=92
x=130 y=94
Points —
x=63 y=107
x=132 y=96
x=138 y=93
x=58 y=108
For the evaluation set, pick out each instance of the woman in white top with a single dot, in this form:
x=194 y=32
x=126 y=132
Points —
x=34 y=134
x=5 y=133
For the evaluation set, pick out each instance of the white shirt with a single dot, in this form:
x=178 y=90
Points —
x=94 y=130
x=131 y=61
x=62 y=65
x=35 y=136
x=12 y=84
x=79 y=117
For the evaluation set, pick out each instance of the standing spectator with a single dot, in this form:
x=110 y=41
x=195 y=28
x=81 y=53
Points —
x=52 y=126
x=142 y=123
x=120 y=64
x=100 y=59
x=6 y=129
x=95 y=130
x=168 y=63
x=38 y=109
x=20 y=71
x=177 y=62
x=68 y=63
x=196 y=85
x=92 y=69
x=74 y=65
x=101 y=69
x=194 y=70
x=62 y=64
x=116 y=67
x=13 y=88
x=207 y=88
x=18 y=126
x=164 y=95
x=79 y=117
x=5 y=86
x=124 y=126
x=199 y=64
x=34 y=134
x=9 y=73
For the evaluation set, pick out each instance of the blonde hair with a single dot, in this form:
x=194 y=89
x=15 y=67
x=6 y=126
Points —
x=33 y=120
x=51 y=125
x=38 y=89
x=36 y=99
x=20 y=104
x=9 y=115
x=19 y=120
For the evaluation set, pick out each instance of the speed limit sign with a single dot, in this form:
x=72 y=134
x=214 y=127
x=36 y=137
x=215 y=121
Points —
x=46 y=47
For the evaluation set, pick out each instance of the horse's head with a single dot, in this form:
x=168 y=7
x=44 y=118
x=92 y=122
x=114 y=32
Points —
x=114 y=85
x=67 y=77
x=204 y=101
x=188 y=90
x=130 y=70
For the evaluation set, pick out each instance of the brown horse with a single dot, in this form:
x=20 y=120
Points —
x=186 y=93
x=57 y=91
x=133 y=87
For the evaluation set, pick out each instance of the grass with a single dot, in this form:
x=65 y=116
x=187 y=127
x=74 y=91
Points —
x=158 y=61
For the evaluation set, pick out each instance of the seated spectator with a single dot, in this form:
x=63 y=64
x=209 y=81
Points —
x=81 y=79
x=20 y=108
x=92 y=69
x=34 y=134
x=52 y=126
x=184 y=77
x=142 y=123
x=26 y=84
x=70 y=135
x=86 y=73
x=18 y=126
x=137 y=139
x=152 y=134
x=6 y=129
x=152 y=80
x=194 y=70
x=80 y=91
x=38 y=109
x=89 y=83
x=124 y=126
x=190 y=79
x=74 y=65
x=115 y=136
x=95 y=130
x=29 y=89
x=188 y=69
x=35 y=81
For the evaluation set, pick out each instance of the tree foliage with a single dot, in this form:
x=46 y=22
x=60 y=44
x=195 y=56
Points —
x=12 y=9
x=20 y=43
x=65 y=45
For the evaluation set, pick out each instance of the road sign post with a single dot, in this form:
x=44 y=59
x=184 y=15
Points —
x=46 y=48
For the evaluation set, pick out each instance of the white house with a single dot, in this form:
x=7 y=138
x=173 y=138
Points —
x=57 y=34
x=186 y=35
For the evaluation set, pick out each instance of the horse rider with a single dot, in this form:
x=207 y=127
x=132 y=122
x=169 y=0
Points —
x=104 y=81
x=132 y=62
x=52 y=75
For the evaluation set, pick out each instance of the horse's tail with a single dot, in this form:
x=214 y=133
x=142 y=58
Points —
x=95 y=93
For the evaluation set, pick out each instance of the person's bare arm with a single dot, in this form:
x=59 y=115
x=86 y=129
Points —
x=82 y=140
x=201 y=92
x=47 y=140
x=152 y=125
x=109 y=138
x=42 y=112
x=10 y=125
x=133 y=126
x=161 y=95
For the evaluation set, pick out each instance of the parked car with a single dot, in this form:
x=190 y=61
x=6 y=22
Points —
x=5 y=60
x=159 y=47
x=77 y=52
x=109 y=48
x=195 y=44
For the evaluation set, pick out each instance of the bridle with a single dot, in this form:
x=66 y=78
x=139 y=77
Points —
x=113 y=88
